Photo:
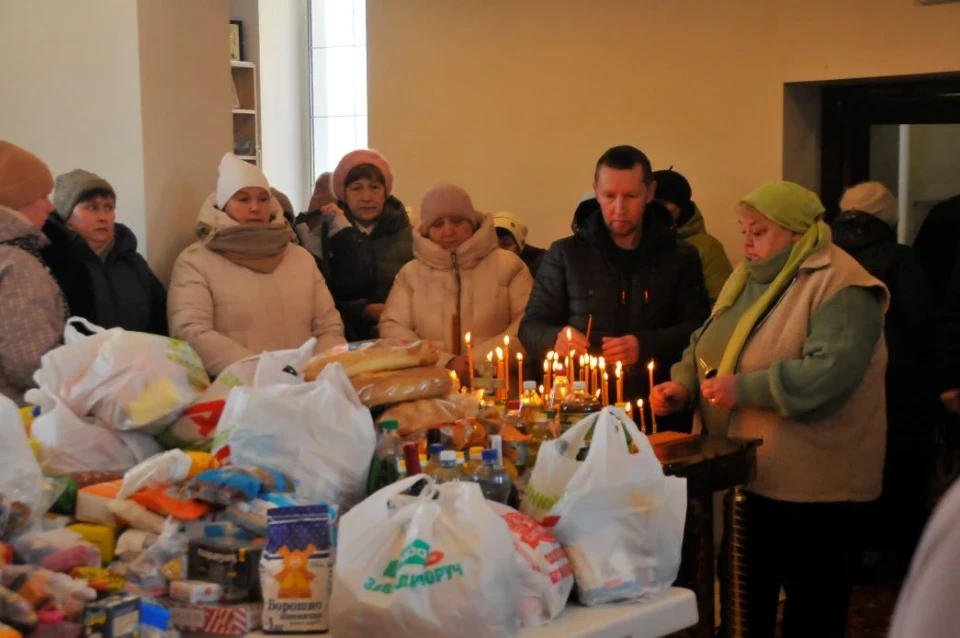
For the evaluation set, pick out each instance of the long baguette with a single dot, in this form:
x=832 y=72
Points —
x=375 y=356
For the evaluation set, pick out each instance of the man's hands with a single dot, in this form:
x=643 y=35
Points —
x=624 y=349
x=577 y=341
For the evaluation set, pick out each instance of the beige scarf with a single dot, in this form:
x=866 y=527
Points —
x=259 y=247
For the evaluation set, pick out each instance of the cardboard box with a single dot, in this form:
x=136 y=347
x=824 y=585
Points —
x=195 y=591
x=113 y=617
x=223 y=619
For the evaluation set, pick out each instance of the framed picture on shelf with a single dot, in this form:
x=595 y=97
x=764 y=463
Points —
x=236 y=40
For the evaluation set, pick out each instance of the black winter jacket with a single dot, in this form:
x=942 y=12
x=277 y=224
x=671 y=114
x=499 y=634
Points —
x=660 y=297
x=948 y=332
x=532 y=257
x=909 y=321
x=119 y=291
x=936 y=244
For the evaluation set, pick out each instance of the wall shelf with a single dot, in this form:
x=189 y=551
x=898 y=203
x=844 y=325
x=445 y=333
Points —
x=246 y=110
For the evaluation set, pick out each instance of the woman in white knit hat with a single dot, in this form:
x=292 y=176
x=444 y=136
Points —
x=243 y=287
x=457 y=271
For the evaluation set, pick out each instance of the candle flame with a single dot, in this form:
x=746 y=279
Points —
x=593 y=362
x=490 y=357
x=546 y=365
x=506 y=341
x=551 y=355
x=596 y=395
x=602 y=363
x=519 y=356
x=569 y=334
x=640 y=403
x=466 y=338
x=499 y=352
x=618 y=372
x=541 y=389
x=650 y=365
x=606 y=377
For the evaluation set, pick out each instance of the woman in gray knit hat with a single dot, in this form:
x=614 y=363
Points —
x=95 y=259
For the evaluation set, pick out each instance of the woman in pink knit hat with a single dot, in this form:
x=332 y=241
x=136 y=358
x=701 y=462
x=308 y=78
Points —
x=363 y=240
x=459 y=276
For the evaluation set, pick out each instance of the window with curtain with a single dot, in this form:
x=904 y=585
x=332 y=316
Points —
x=338 y=70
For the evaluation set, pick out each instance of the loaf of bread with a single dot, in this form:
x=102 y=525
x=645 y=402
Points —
x=414 y=416
x=384 y=388
x=375 y=356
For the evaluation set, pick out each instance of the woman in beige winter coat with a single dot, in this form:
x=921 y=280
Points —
x=458 y=270
x=243 y=288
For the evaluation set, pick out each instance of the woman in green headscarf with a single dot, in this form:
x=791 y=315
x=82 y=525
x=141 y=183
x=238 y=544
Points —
x=792 y=354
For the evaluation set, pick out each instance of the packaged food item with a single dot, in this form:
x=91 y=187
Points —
x=154 y=620
x=102 y=580
x=216 y=529
x=150 y=573
x=83 y=554
x=158 y=471
x=195 y=591
x=168 y=501
x=383 y=388
x=16 y=611
x=224 y=619
x=234 y=565
x=102 y=536
x=46 y=588
x=546 y=572
x=92 y=503
x=133 y=542
x=201 y=462
x=375 y=356
x=136 y=515
x=235 y=483
x=252 y=516
x=113 y=617
x=296 y=570
x=413 y=416
x=32 y=548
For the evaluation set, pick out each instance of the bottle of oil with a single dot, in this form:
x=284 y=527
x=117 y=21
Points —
x=541 y=430
x=531 y=404
x=577 y=406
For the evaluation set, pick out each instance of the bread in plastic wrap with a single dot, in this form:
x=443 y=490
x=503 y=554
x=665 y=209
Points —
x=418 y=415
x=380 y=355
x=383 y=388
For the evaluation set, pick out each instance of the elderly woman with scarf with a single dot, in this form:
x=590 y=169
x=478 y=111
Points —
x=243 y=287
x=793 y=354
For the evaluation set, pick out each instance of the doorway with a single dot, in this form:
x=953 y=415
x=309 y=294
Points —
x=904 y=132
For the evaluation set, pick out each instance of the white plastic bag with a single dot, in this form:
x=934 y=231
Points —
x=72 y=444
x=619 y=518
x=441 y=565
x=160 y=470
x=199 y=421
x=128 y=380
x=318 y=434
x=17 y=461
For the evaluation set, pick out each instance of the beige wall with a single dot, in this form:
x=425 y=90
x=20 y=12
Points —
x=70 y=78
x=138 y=92
x=516 y=100
x=187 y=125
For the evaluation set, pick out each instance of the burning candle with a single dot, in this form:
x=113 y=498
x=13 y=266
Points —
x=643 y=419
x=570 y=353
x=594 y=376
x=543 y=395
x=571 y=370
x=466 y=340
x=619 y=373
x=506 y=366
x=519 y=374
x=547 y=381
x=606 y=389
x=499 y=352
x=653 y=417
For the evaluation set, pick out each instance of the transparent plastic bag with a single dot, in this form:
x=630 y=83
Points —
x=383 y=388
x=379 y=355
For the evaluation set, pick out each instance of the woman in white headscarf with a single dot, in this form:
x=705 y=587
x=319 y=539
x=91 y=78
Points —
x=243 y=288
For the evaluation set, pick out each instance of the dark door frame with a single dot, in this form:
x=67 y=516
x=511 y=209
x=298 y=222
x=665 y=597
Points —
x=849 y=109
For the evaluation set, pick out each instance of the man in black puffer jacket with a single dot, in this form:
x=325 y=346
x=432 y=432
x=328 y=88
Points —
x=866 y=228
x=625 y=266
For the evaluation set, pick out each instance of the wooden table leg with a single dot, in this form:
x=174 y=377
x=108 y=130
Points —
x=697 y=561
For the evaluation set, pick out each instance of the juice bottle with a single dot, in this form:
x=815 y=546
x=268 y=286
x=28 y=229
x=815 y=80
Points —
x=531 y=405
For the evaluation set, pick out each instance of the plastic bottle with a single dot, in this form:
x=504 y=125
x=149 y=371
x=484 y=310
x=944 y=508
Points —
x=412 y=462
x=541 y=430
x=514 y=434
x=531 y=405
x=385 y=466
x=494 y=481
x=449 y=470
x=577 y=406
x=474 y=462
x=433 y=459
x=560 y=391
